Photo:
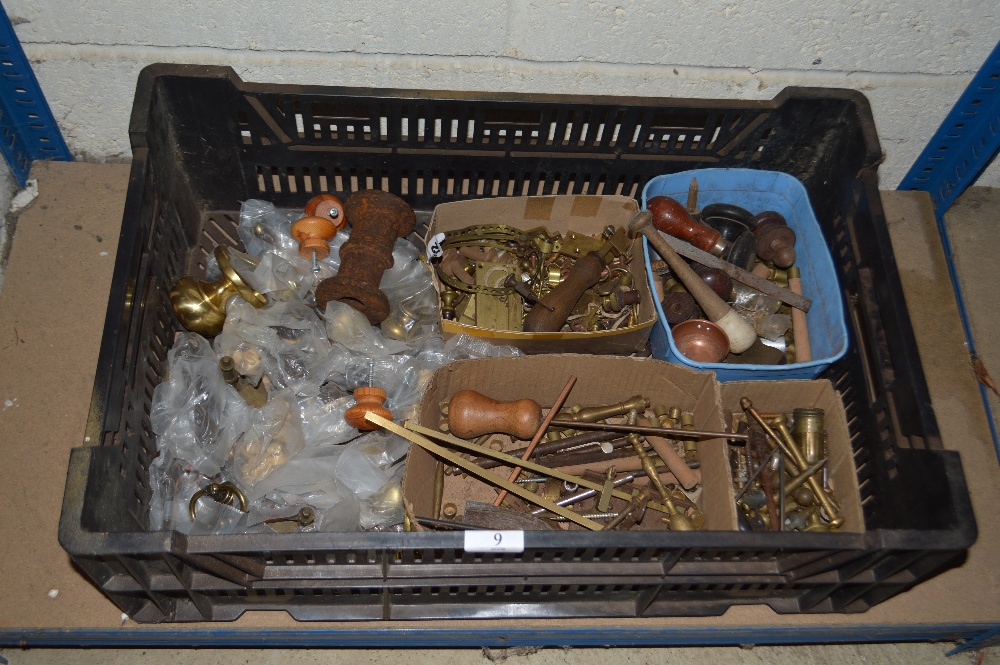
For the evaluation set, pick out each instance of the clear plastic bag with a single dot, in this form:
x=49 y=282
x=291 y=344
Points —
x=309 y=467
x=336 y=507
x=384 y=507
x=747 y=298
x=290 y=340
x=274 y=437
x=195 y=414
x=322 y=417
x=265 y=228
x=298 y=450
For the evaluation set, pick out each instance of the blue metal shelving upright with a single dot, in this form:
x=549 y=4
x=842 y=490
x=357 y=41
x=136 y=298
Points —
x=28 y=131
x=964 y=145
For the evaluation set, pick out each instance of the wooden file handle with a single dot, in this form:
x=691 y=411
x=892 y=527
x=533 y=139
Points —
x=472 y=414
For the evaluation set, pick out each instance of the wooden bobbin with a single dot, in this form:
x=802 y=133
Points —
x=368 y=399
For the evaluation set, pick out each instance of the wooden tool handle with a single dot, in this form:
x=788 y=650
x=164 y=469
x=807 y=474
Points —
x=672 y=218
x=741 y=333
x=800 y=330
x=584 y=274
x=472 y=414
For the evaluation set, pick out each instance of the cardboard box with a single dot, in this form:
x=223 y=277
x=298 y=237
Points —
x=584 y=214
x=784 y=397
x=600 y=380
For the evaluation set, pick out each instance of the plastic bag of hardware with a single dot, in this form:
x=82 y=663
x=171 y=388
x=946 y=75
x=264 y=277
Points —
x=409 y=287
x=367 y=463
x=290 y=340
x=412 y=316
x=335 y=506
x=350 y=329
x=322 y=416
x=275 y=275
x=274 y=437
x=195 y=414
x=308 y=467
x=212 y=517
x=385 y=507
x=173 y=485
x=246 y=359
x=265 y=228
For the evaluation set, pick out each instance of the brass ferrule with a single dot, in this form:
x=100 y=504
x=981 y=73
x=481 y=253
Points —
x=810 y=432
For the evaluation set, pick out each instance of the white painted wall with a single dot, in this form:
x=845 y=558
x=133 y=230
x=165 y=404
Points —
x=912 y=59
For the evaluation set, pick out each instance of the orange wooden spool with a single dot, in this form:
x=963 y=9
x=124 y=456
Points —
x=367 y=398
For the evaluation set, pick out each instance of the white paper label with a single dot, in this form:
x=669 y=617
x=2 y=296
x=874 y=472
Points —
x=494 y=541
x=434 y=249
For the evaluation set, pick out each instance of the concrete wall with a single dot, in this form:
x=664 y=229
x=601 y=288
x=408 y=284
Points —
x=912 y=59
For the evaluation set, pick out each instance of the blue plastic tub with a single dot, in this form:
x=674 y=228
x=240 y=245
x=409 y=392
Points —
x=758 y=191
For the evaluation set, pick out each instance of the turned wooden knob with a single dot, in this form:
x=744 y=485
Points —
x=673 y=219
x=472 y=414
x=314 y=234
x=775 y=240
x=367 y=398
x=327 y=206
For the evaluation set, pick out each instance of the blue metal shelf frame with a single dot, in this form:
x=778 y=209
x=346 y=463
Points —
x=974 y=634
x=964 y=145
x=28 y=131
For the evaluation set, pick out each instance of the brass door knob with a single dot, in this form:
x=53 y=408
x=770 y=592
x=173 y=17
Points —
x=201 y=306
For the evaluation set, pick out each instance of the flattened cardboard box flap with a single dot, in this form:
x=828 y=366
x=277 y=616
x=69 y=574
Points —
x=587 y=214
x=583 y=214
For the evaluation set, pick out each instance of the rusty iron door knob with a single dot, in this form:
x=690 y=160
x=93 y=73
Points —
x=377 y=218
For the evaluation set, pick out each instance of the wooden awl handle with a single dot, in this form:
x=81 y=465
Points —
x=472 y=414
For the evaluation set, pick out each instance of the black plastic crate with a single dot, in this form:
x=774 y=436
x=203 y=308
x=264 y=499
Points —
x=203 y=141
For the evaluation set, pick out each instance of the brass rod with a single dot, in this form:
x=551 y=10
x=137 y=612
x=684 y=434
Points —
x=644 y=429
x=527 y=464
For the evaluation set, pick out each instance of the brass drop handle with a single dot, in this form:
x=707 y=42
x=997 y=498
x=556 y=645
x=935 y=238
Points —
x=472 y=414
x=673 y=219
x=558 y=304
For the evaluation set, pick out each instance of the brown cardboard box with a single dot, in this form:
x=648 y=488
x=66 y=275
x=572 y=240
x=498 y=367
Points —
x=784 y=397
x=600 y=380
x=584 y=214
